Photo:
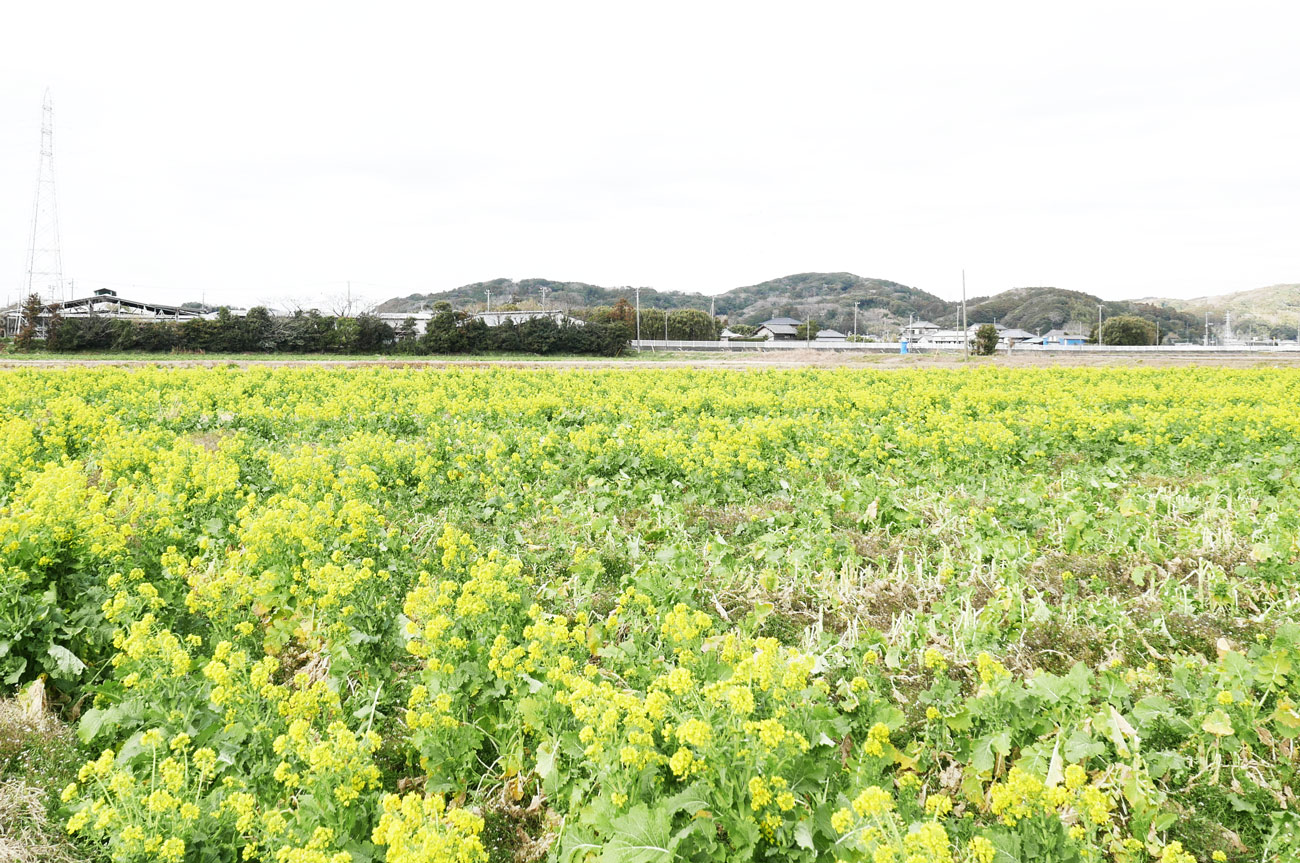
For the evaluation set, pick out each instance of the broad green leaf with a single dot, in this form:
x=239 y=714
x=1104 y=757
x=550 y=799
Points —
x=642 y=835
x=803 y=834
x=1217 y=723
x=66 y=661
x=546 y=754
x=691 y=800
x=1271 y=670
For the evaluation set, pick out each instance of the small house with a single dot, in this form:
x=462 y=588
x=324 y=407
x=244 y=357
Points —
x=1015 y=336
x=1064 y=337
x=774 y=332
x=918 y=330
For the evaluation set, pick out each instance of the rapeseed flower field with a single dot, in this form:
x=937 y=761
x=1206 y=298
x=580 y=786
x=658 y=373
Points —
x=334 y=616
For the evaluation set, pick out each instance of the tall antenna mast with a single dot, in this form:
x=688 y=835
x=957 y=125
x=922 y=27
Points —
x=44 y=258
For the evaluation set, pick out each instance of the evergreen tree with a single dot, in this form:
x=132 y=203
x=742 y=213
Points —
x=32 y=309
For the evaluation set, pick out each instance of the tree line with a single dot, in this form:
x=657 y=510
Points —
x=309 y=332
x=677 y=324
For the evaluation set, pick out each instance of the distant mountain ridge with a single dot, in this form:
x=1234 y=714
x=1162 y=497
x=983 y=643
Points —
x=883 y=305
x=528 y=293
x=1272 y=308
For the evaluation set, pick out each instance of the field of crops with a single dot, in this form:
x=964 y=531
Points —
x=307 y=615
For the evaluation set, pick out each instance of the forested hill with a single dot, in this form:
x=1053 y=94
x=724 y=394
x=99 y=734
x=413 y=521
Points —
x=1274 y=310
x=1043 y=309
x=527 y=293
x=828 y=298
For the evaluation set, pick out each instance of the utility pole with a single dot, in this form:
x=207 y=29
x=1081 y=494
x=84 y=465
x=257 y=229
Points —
x=665 y=329
x=1100 y=340
x=489 y=301
x=965 y=324
x=543 y=289
x=807 y=329
x=1207 y=322
x=855 y=318
x=638 y=317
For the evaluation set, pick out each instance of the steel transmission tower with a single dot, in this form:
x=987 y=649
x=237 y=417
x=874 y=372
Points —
x=44 y=257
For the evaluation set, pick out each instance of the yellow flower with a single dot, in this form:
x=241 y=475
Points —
x=78 y=820
x=981 y=850
x=933 y=660
x=205 y=760
x=683 y=763
x=1174 y=853
x=696 y=732
x=759 y=794
x=877 y=737
x=873 y=801
x=172 y=850
x=938 y=805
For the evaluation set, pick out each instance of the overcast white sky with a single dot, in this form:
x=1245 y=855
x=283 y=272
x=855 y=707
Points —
x=253 y=151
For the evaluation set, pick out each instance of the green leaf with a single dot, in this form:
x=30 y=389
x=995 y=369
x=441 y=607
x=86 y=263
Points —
x=14 y=676
x=1080 y=745
x=641 y=835
x=1151 y=710
x=1241 y=804
x=1217 y=723
x=546 y=759
x=1286 y=721
x=1272 y=669
x=691 y=800
x=987 y=748
x=66 y=661
x=960 y=721
x=91 y=721
x=803 y=834
x=891 y=717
